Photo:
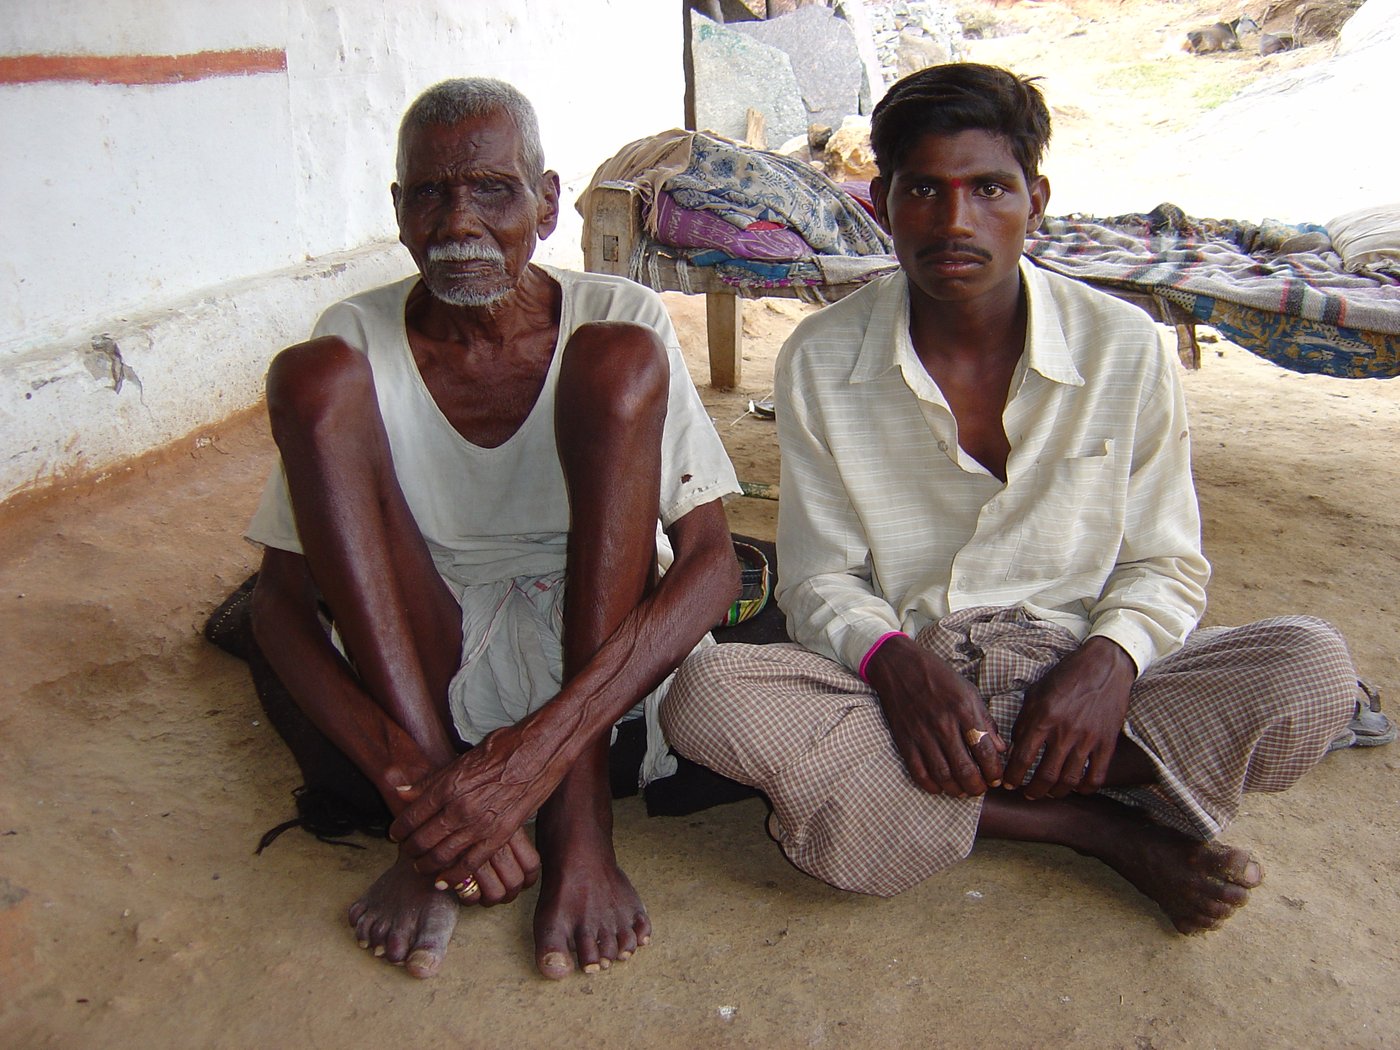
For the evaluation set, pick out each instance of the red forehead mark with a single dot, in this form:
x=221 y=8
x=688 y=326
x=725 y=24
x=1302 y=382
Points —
x=956 y=184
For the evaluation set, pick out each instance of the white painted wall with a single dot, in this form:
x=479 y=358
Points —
x=177 y=235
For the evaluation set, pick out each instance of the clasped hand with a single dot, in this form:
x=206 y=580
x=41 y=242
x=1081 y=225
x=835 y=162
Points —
x=934 y=714
x=464 y=824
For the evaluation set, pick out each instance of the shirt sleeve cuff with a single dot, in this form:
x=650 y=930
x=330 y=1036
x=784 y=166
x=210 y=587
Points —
x=1132 y=641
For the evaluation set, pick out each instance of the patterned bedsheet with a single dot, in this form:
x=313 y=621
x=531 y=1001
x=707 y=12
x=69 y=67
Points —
x=1279 y=291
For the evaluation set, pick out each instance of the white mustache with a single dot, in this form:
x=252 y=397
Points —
x=466 y=251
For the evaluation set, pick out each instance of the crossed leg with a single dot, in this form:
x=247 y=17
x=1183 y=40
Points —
x=1197 y=884
x=1267 y=700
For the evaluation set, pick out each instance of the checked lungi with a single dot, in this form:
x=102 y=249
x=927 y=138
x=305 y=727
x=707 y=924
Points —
x=1237 y=709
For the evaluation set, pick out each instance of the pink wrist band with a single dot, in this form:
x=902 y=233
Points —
x=865 y=660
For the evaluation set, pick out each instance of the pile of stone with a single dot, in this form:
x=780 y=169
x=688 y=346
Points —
x=805 y=82
x=912 y=34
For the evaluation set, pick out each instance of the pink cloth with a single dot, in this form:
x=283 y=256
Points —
x=697 y=229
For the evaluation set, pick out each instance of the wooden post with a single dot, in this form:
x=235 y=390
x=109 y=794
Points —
x=724 y=325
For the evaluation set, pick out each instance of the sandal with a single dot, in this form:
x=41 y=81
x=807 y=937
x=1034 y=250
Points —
x=1368 y=726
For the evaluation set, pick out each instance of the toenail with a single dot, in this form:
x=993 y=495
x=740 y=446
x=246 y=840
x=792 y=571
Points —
x=623 y=956
x=363 y=944
x=378 y=950
x=555 y=959
x=592 y=968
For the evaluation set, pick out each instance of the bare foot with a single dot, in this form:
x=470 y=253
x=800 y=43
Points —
x=587 y=910
x=404 y=920
x=1197 y=884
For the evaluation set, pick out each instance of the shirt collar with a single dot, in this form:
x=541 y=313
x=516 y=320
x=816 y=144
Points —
x=887 y=333
x=887 y=329
x=1047 y=350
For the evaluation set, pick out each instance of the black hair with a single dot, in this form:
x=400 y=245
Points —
x=961 y=96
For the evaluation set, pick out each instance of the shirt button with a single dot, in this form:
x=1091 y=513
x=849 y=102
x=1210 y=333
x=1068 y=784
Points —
x=992 y=506
x=943 y=446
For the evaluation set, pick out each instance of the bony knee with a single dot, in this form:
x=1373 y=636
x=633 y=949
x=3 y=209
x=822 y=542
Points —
x=306 y=380
x=614 y=371
x=610 y=351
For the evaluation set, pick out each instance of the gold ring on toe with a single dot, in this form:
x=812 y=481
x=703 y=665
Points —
x=466 y=887
x=974 y=736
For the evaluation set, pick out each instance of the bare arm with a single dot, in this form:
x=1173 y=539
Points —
x=468 y=810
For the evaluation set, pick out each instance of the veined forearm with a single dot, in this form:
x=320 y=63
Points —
x=648 y=645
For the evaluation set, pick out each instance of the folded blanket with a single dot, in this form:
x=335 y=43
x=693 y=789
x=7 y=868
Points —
x=742 y=185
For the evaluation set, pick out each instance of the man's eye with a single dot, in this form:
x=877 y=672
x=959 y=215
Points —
x=992 y=190
x=923 y=190
x=426 y=191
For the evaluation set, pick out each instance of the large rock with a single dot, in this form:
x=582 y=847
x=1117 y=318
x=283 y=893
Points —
x=917 y=50
x=1308 y=21
x=735 y=73
x=873 y=82
x=848 y=156
x=824 y=56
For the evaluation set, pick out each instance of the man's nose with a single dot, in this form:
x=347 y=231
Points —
x=461 y=218
x=954 y=212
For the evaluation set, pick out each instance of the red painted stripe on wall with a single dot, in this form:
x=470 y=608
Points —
x=141 y=69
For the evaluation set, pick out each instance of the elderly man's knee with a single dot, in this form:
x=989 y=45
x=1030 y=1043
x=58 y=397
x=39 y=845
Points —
x=306 y=383
x=615 y=369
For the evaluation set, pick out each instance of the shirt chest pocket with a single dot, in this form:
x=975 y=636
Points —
x=1072 y=519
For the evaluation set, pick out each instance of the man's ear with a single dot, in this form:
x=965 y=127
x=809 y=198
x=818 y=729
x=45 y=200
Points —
x=1040 y=200
x=548 y=193
x=879 y=191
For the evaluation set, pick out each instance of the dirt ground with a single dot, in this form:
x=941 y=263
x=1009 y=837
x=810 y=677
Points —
x=138 y=774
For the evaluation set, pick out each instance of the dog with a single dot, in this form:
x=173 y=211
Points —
x=1223 y=36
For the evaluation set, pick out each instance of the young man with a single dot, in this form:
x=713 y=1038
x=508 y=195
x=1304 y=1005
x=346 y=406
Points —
x=475 y=461
x=990 y=549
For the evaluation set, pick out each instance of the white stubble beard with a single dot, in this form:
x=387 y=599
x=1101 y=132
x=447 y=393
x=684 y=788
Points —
x=453 y=293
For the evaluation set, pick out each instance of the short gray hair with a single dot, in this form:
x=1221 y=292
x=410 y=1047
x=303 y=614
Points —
x=453 y=101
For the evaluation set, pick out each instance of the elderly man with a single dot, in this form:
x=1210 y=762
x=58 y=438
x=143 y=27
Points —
x=475 y=462
x=990 y=548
